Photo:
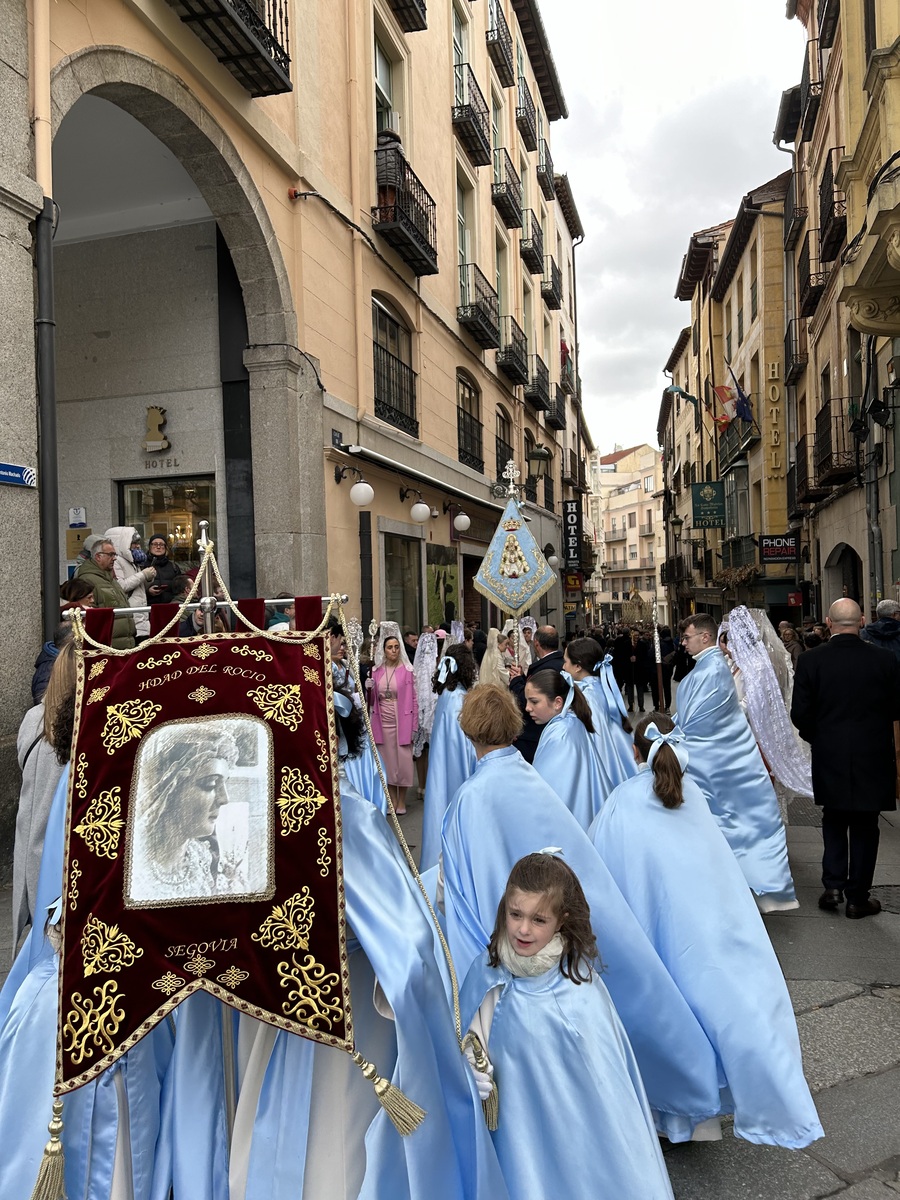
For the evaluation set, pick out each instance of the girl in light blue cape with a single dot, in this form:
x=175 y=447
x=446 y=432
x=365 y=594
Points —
x=451 y=758
x=574 y=1119
x=584 y=661
x=566 y=756
x=666 y=852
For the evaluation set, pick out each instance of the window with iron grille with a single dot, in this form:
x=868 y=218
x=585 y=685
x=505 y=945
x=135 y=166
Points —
x=395 y=380
x=468 y=414
x=503 y=441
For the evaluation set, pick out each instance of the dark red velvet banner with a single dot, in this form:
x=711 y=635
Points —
x=203 y=843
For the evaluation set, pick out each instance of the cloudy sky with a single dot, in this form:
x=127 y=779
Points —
x=672 y=104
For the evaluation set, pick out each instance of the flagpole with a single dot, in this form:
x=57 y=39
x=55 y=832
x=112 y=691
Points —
x=660 y=697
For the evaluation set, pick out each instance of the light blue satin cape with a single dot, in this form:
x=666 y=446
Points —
x=574 y=1118
x=451 y=760
x=567 y=759
x=684 y=885
x=613 y=745
x=728 y=768
x=506 y=811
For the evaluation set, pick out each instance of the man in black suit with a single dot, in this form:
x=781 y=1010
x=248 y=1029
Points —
x=846 y=700
x=549 y=655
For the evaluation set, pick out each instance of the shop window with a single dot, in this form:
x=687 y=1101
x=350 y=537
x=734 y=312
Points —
x=403 y=580
x=173 y=508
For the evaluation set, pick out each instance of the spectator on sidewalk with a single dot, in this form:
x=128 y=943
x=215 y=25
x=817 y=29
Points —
x=885 y=630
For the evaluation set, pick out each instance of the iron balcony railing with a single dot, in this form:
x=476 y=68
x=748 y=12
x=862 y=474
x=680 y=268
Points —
x=567 y=374
x=647 y=563
x=395 y=391
x=512 y=357
x=739 y=552
x=471 y=118
x=796 y=355
x=810 y=89
x=500 y=45
x=551 y=283
x=617 y=535
x=646 y=530
x=569 y=468
x=794 y=508
x=829 y=15
x=250 y=38
x=405 y=214
x=531 y=243
x=537 y=389
x=506 y=190
x=734 y=440
x=832 y=210
x=835 y=447
x=811 y=275
x=808 y=489
x=677 y=569
x=545 y=170
x=526 y=116
x=555 y=416
x=503 y=454
x=479 y=307
x=469 y=432
x=411 y=15
x=549 y=493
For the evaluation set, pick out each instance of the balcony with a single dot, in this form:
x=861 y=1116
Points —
x=537 y=389
x=506 y=190
x=570 y=468
x=551 y=283
x=832 y=210
x=647 y=564
x=811 y=275
x=471 y=119
x=500 y=45
x=567 y=374
x=794 y=212
x=582 y=477
x=526 y=117
x=794 y=508
x=503 y=452
x=739 y=552
x=545 y=171
x=810 y=89
x=646 y=530
x=530 y=489
x=395 y=391
x=479 y=307
x=549 y=493
x=677 y=569
x=405 y=213
x=555 y=416
x=829 y=15
x=796 y=355
x=531 y=243
x=734 y=441
x=469 y=433
x=808 y=490
x=616 y=535
x=250 y=38
x=410 y=14
x=834 y=454
x=512 y=357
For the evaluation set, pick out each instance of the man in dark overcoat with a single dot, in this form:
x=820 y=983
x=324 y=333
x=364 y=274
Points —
x=846 y=700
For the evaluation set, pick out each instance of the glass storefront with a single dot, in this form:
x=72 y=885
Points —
x=173 y=508
x=402 y=580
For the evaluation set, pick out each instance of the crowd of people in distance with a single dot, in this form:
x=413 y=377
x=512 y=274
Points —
x=599 y=1005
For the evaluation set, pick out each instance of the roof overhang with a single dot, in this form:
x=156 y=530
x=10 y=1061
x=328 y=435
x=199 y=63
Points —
x=788 y=120
x=537 y=44
x=678 y=350
x=567 y=206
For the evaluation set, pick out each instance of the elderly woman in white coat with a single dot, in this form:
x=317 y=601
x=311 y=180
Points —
x=131 y=574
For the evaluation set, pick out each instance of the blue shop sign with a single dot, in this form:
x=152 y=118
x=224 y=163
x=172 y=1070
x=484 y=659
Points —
x=18 y=476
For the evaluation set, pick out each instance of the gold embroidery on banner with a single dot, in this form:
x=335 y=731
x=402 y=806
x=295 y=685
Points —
x=204 y=650
x=126 y=721
x=97 y=694
x=102 y=824
x=98 y=668
x=165 y=661
x=80 y=776
x=201 y=695
x=250 y=652
x=233 y=977
x=282 y=702
x=288 y=925
x=75 y=875
x=323 y=861
x=92 y=1025
x=198 y=965
x=298 y=801
x=168 y=983
x=105 y=948
x=312 y=676
x=311 y=650
x=322 y=756
x=310 y=988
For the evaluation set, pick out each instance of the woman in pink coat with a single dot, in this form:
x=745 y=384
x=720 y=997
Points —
x=394 y=715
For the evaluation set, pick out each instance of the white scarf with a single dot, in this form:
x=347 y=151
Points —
x=532 y=964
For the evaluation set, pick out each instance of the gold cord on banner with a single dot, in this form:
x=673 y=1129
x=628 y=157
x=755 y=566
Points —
x=490 y=1106
x=51 y=1182
x=406 y=1116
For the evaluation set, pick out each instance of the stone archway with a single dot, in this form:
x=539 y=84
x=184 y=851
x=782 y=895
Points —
x=285 y=393
x=843 y=575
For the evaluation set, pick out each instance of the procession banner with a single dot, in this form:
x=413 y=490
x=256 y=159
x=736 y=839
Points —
x=514 y=572
x=203 y=843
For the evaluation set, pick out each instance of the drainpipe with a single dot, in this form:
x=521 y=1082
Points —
x=356 y=197
x=876 y=541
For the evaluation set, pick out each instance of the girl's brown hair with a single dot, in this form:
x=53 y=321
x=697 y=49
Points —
x=667 y=776
x=59 y=703
x=551 y=684
x=585 y=653
x=490 y=716
x=549 y=877
x=465 y=673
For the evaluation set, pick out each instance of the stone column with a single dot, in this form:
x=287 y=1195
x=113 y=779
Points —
x=20 y=567
x=286 y=420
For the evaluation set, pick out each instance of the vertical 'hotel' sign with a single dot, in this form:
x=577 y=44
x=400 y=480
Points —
x=572 y=530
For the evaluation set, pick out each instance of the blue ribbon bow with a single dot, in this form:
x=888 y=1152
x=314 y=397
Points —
x=674 y=739
x=447 y=667
x=567 y=703
x=615 y=705
x=342 y=704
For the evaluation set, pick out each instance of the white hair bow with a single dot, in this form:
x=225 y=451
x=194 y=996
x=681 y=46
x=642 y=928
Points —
x=674 y=739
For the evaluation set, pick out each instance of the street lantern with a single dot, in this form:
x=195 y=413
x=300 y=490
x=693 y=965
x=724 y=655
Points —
x=539 y=458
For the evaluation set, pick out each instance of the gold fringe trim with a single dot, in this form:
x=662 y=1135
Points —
x=490 y=1106
x=51 y=1181
x=406 y=1116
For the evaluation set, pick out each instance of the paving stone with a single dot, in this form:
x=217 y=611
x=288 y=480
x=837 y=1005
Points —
x=740 y=1170
x=810 y=943
x=887 y=993
x=807 y=994
x=869 y=1189
x=860 y=1123
x=853 y=1038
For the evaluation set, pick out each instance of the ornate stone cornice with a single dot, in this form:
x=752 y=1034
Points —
x=875 y=311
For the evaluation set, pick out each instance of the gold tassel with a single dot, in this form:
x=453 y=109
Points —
x=51 y=1180
x=491 y=1106
x=405 y=1115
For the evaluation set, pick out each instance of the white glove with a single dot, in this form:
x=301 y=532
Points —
x=149 y=573
x=483 y=1082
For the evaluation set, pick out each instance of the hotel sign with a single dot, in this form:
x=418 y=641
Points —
x=708 y=505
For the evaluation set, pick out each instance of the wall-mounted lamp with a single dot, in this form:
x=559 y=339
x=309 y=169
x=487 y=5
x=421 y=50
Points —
x=361 y=493
x=539 y=458
x=461 y=521
x=551 y=557
x=420 y=511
